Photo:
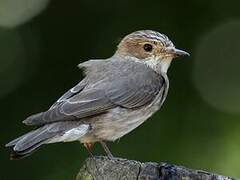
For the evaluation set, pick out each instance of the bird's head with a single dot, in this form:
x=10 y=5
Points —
x=150 y=47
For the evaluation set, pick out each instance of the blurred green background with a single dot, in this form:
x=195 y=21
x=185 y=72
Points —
x=42 y=41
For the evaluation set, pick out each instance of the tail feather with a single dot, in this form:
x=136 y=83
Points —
x=17 y=155
x=49 y=133
x=32 y=138
x=14 y=142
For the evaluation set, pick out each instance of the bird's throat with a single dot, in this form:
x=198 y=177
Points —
x=159 y=65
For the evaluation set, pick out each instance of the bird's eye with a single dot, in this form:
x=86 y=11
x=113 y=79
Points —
x=148 y=47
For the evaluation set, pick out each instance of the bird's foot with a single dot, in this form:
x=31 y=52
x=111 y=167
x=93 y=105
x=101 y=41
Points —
x=106 y=149
x=88 y=147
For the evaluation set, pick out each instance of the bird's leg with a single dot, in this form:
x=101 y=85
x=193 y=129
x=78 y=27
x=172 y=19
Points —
x=106 y=149
x=88 y=147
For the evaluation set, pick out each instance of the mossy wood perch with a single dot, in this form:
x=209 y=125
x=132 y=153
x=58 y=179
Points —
x=102 y=168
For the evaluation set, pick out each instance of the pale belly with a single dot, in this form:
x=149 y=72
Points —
x=119 y=121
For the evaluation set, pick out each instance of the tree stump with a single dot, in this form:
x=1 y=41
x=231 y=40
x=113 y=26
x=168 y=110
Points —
x=103 y=168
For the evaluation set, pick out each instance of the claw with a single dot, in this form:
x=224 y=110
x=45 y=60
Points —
x=88 y=147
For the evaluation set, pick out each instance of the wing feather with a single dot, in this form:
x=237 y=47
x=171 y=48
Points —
x=132 y=85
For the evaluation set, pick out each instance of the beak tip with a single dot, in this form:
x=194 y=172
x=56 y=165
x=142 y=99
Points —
x=179 y=53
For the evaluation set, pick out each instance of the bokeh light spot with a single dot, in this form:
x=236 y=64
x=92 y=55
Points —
x=216 y=72
x=15 y=12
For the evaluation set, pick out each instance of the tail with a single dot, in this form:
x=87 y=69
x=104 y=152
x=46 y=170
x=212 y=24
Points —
x=66 y=131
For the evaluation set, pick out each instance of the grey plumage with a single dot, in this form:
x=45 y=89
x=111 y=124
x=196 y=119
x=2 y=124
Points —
x=116 y=96
x=29 y=142
x=101 y=90
x=110 y=88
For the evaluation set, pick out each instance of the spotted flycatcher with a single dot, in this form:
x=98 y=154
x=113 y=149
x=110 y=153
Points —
x=116 y=96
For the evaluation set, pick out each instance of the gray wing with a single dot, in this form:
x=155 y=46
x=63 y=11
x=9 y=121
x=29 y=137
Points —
x=70 y=93
x=132 y=86
x=134 y=91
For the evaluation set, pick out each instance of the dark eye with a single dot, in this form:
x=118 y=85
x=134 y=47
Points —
x=148 y=47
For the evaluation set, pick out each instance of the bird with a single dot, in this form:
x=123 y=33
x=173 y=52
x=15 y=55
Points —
x=115 y=96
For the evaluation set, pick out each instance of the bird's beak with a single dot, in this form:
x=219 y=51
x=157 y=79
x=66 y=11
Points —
x=176 y=52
